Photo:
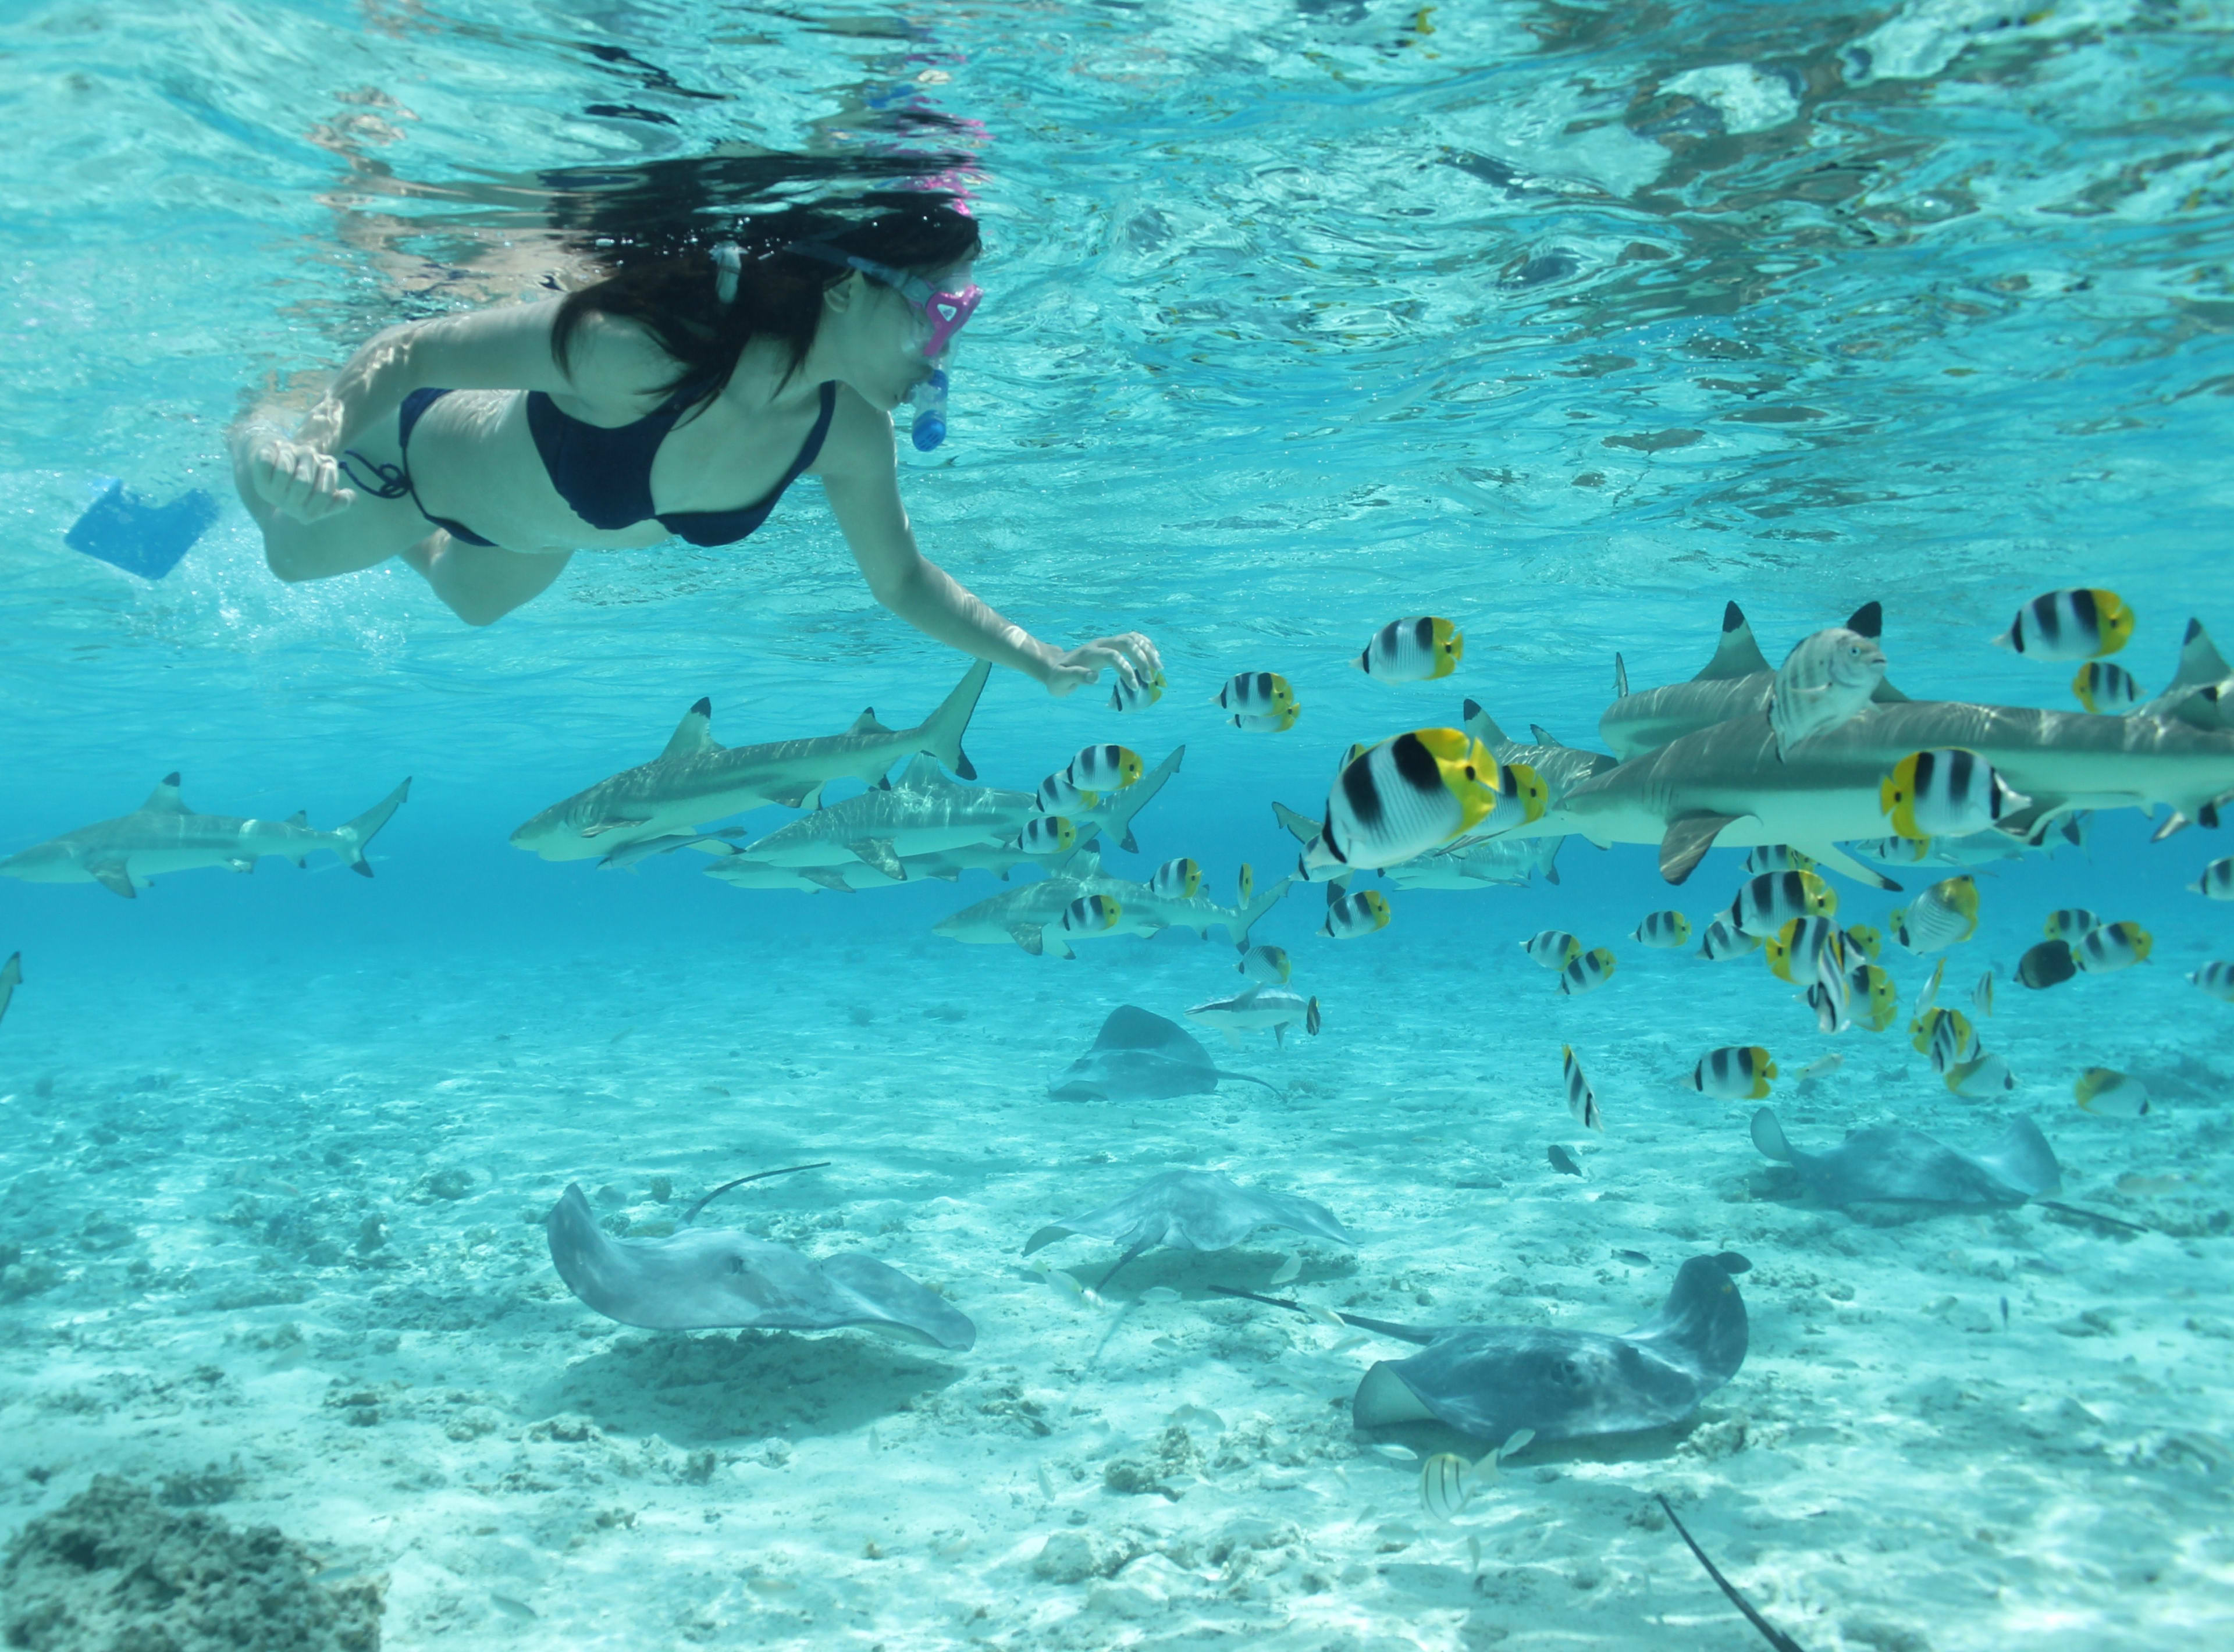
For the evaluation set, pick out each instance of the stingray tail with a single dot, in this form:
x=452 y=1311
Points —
x=1382 y=1327
x=757 y=1176
x=1142 y=1245
x=1775 y=1637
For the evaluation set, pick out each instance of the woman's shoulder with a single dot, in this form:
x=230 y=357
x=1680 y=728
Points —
x=859 y=440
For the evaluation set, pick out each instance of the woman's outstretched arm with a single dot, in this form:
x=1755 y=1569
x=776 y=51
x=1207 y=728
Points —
x=866 y=500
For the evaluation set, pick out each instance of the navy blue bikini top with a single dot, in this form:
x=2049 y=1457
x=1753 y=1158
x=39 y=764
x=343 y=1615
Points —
x=605 y=474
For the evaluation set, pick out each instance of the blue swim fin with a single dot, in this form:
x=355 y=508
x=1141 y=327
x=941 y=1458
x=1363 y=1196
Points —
x=122 y=529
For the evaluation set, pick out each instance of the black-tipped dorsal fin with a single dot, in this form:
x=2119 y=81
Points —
x=695 y=734
x=301 y=817
x=1737 y=654
x=2199 y=661
x=1868 y=621
x=164 y=800
x=1620 y=678
x=1482 y=726
x=866 y=724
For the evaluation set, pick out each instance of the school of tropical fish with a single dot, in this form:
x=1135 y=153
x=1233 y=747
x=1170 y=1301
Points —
x=1820 y=767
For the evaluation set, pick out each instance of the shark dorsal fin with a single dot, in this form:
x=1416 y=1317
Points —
x=1868 y=621
x=1483 y=727
x=1620 y=678
x=164 y=800
x=1542 y=735
x=1737 y=654
x=866 y=724
x=923 y=770
x=695 y=734
x=2200 y=662
x=1086 y=863
x=301 y=817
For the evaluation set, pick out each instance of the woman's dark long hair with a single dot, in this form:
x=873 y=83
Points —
x=672 y=284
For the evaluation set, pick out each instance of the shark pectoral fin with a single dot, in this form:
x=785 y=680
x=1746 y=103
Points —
x=112 y=876
x=1838 y=860
x=1279 y=1036
x=1028 y=937
x=1046 y=1237
x=829 y=877
x=879 y=852
x=302 y=862
x=2030 y=825
x=2175 y=821
x=242 y=863
x=615 y=823
x=1687 y=842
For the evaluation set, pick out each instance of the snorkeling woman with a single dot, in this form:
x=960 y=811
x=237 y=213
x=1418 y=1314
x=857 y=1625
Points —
x=679 y=396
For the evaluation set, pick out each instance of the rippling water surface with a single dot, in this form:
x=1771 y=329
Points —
x=1570 y=322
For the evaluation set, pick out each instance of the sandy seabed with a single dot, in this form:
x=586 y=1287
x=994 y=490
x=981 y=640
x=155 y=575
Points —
x=276 y=1250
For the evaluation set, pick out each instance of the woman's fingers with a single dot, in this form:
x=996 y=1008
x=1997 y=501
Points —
x=300 y=481
x=1131 y=656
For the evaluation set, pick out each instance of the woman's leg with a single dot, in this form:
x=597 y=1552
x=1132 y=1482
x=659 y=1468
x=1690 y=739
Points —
x=482 y=583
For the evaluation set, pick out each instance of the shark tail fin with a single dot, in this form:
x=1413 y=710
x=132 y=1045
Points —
x=358 y=833
x=940 y=733
x=1115 y=817
x=1768 y=1136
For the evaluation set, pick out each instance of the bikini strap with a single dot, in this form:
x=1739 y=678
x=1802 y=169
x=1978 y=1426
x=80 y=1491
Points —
x=393 y=483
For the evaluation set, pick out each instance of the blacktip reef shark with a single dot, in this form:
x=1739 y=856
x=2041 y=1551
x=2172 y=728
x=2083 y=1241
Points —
x=11 y=976
x=696 y=780
x=926 y=813
x=1738 y=681
x=164 y=835
x=1725 y=785
x=1029 y=917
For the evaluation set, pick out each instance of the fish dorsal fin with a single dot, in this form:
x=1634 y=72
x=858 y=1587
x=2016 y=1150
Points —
x=164 y=800
x=1885 y=694
x=1737 y=654
x=1620 y=678
x=1483 y=727
x=1544 y=736
x=1086 y=863
x=695 y=734
x=921 y=772
x=2200 y=662
x=301 y=817
x=866 y=724
x=1868 y=621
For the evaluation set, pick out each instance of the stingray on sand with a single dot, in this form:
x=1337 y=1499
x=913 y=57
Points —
x=1141 y=1057
x=702 y=1278
x=1894 y=1165
x=1192 y=1210
x=1487 y=1380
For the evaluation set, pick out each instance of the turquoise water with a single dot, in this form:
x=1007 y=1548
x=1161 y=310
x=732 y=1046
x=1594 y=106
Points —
x=1571 y=324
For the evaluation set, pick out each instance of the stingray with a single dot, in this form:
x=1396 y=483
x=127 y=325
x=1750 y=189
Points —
x=1893 y=1165
x=1487 y=1381
x=1192 y=1210
x=705 y=1278
x=1141 y=1057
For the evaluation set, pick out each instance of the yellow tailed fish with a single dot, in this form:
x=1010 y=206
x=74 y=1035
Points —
x=2082 y=624
x=1669 y=929
x=1792 y=952
x=1587 y=973
x=1058 y=796
x=1981 y=1078
x=1721 y=943
x=1103 y=768
x=1445 y=1484
x=1553 y=949
x=1582 y=1101
x=1864 y=940
x=1179 y=879
x=1981 y=995
x=2070 y=924
x=1733 y=1073
x=1949 y=793
x=1091 y=915
x=1244 y=885
x=2215 y=978
x=1403 y=797
x=2113 y=947
x=1930 y=995
x=2217 y=880
x=1413 y=651
x=1348 y=916
x=1943 y=916
x=1777 y=857
x=1048 y=834
x=1143 y=691
x=2105 y=689
x=1765 y=903
x=1269 y=965
x=1874 y=988
x=2109 y=1093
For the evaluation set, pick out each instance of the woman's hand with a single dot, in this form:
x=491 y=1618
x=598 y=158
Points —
x=297 y=479
x=1131 y=655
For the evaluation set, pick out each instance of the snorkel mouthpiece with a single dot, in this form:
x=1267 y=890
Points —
x=929 y=412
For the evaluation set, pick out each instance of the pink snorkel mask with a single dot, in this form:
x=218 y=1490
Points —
x=946 y=311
